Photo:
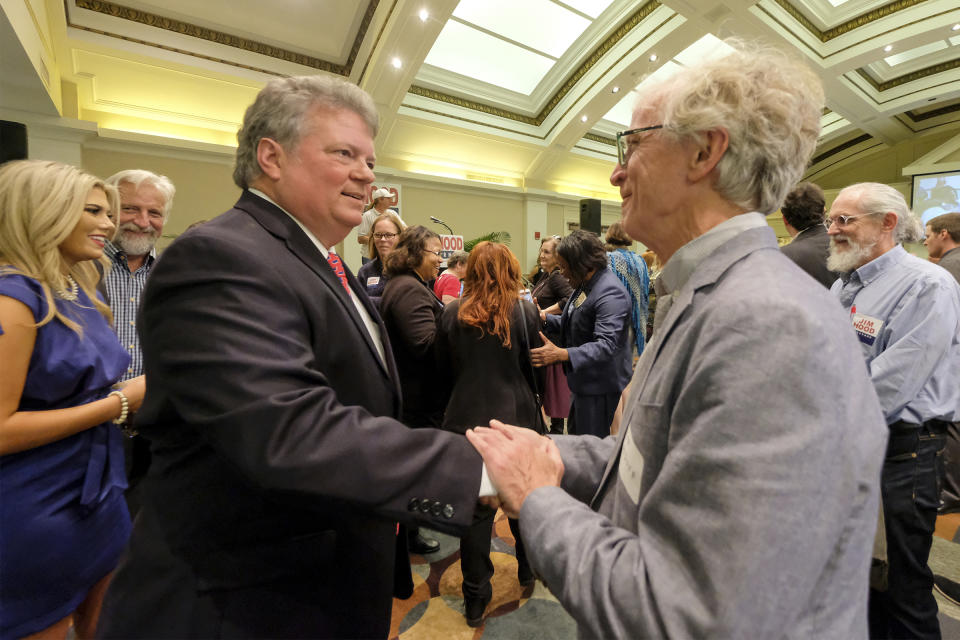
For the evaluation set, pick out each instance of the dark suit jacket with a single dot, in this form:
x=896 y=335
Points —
x=410 y=312
x=486 y=379
x=809 y=251
x=279 y=468
x=596 y=334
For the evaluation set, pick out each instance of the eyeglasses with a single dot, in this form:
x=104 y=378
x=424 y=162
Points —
x=384 y=236
x=436 y=253
x=842 y=221
x=624 y=148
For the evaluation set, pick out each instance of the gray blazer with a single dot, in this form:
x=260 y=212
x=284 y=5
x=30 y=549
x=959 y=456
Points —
x=740 y=498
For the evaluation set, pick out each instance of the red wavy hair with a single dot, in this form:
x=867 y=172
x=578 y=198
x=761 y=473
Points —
x=490 y=290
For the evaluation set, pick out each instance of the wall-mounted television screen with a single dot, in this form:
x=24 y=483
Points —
x=936 y=193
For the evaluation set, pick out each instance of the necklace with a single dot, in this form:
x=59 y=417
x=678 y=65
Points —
x=72 y=293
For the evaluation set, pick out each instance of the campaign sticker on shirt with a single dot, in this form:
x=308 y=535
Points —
x=580 y=299
x=373 y=280
x=867 y=328
x=631 y=466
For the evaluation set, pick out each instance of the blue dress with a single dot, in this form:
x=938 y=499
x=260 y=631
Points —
x=63 y=519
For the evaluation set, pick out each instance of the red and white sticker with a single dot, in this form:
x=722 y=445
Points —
x=867 y=328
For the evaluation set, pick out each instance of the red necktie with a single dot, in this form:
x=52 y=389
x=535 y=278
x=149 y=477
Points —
x=337 y=267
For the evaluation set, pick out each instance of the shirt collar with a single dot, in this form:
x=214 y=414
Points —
x=878 y=265
x=685 y=261
x=313 y=238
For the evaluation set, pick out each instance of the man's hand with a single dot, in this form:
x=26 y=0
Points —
x=548 y=353
x=518 y=461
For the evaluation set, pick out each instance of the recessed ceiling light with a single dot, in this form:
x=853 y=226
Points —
x=424 y=14
x=583 y=118
x=888 y=48
x=653 y=57
x=955 y=27
x=396 y=63
x=615 y=90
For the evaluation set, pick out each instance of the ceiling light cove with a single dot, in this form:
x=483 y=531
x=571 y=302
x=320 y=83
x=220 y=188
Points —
x=955 y=27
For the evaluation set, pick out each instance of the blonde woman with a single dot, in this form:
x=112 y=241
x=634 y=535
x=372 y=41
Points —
x=63 y=520
x=385 y=235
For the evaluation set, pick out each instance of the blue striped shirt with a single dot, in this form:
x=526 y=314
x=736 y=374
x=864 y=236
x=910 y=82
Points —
x=124 y=289
x=906 y=314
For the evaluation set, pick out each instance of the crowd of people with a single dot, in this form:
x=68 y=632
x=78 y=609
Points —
x=703 y=441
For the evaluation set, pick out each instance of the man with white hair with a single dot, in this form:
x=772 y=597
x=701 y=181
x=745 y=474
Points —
x=740 y=497
x=145 y=202
x=906 y=314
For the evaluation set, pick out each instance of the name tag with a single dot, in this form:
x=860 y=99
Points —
x=631 y=466
x=867 y=328
x=372 y=280
x=580 y=299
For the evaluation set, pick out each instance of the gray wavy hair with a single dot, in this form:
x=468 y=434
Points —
x=877 y=198
x=278 y=113
x=137 y=177
x=770 y=105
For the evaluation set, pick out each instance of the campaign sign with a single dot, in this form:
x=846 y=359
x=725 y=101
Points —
x=449 y=244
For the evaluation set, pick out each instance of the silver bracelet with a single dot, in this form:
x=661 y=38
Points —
x=124 y=407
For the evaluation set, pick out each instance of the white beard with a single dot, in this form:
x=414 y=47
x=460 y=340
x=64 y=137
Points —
x=134 y=245
x=855 y=255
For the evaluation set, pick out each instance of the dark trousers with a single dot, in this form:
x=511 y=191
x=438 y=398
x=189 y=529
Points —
x=592 y=415
x=910 y=487
x=475 y=560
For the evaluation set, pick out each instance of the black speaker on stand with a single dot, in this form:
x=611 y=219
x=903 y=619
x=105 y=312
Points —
x=590 y=215
x=13 y=141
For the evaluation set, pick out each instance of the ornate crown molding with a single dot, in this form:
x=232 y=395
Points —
x=849 y=25
x=219 y=37
x=600 y=139
x=909 y=77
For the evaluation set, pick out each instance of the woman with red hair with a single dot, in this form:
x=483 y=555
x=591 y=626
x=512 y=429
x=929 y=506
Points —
x=484 y=340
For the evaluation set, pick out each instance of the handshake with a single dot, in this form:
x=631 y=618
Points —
x=518 y=461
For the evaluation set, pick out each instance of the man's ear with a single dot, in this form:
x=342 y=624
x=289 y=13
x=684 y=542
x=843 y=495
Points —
x=889 y=221
x=707 y=152
x=271 y=157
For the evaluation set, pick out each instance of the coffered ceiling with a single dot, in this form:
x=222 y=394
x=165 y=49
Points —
x=523 y=93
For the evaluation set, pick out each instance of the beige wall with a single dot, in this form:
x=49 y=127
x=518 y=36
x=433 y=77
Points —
x=204 y=189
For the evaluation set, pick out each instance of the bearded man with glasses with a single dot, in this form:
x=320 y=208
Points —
x=906 y=314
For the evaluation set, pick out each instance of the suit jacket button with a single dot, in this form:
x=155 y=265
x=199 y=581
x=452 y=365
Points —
x=448 y=511
x=413 y=505
x=425 y=506
x=435 y=508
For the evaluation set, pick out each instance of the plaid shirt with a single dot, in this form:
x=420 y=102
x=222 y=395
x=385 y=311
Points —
x=124 y=289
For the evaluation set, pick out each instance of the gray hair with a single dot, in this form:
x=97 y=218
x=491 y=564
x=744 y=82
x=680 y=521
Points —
x=769 y=104
x=457 y=257
x=138 y=177
x=279 y=110
x=875 y=198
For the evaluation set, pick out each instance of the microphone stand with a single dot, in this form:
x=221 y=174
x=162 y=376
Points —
x=439 y=221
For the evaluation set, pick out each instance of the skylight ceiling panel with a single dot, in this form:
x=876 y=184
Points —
x=592 y=8
x=917 y=52
x=538 y=24
x=622 y=112
x=475 y=54
x=708 y=47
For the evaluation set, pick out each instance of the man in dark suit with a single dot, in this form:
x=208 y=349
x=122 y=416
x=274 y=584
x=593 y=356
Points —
x=803 y=217
x=279 y=468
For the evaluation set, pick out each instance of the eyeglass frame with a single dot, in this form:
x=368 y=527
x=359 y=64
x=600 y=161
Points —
x=842 y=221
x=622 y=156
x=439 y=254
x=384 y=236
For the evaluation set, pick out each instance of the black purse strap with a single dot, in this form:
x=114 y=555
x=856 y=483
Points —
x=533 y=377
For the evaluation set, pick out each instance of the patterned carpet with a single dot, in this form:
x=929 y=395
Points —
x=435 y=610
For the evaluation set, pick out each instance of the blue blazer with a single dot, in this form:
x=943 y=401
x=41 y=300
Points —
x=594 y=328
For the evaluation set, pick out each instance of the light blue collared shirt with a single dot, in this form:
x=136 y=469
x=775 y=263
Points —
x=906 y=313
